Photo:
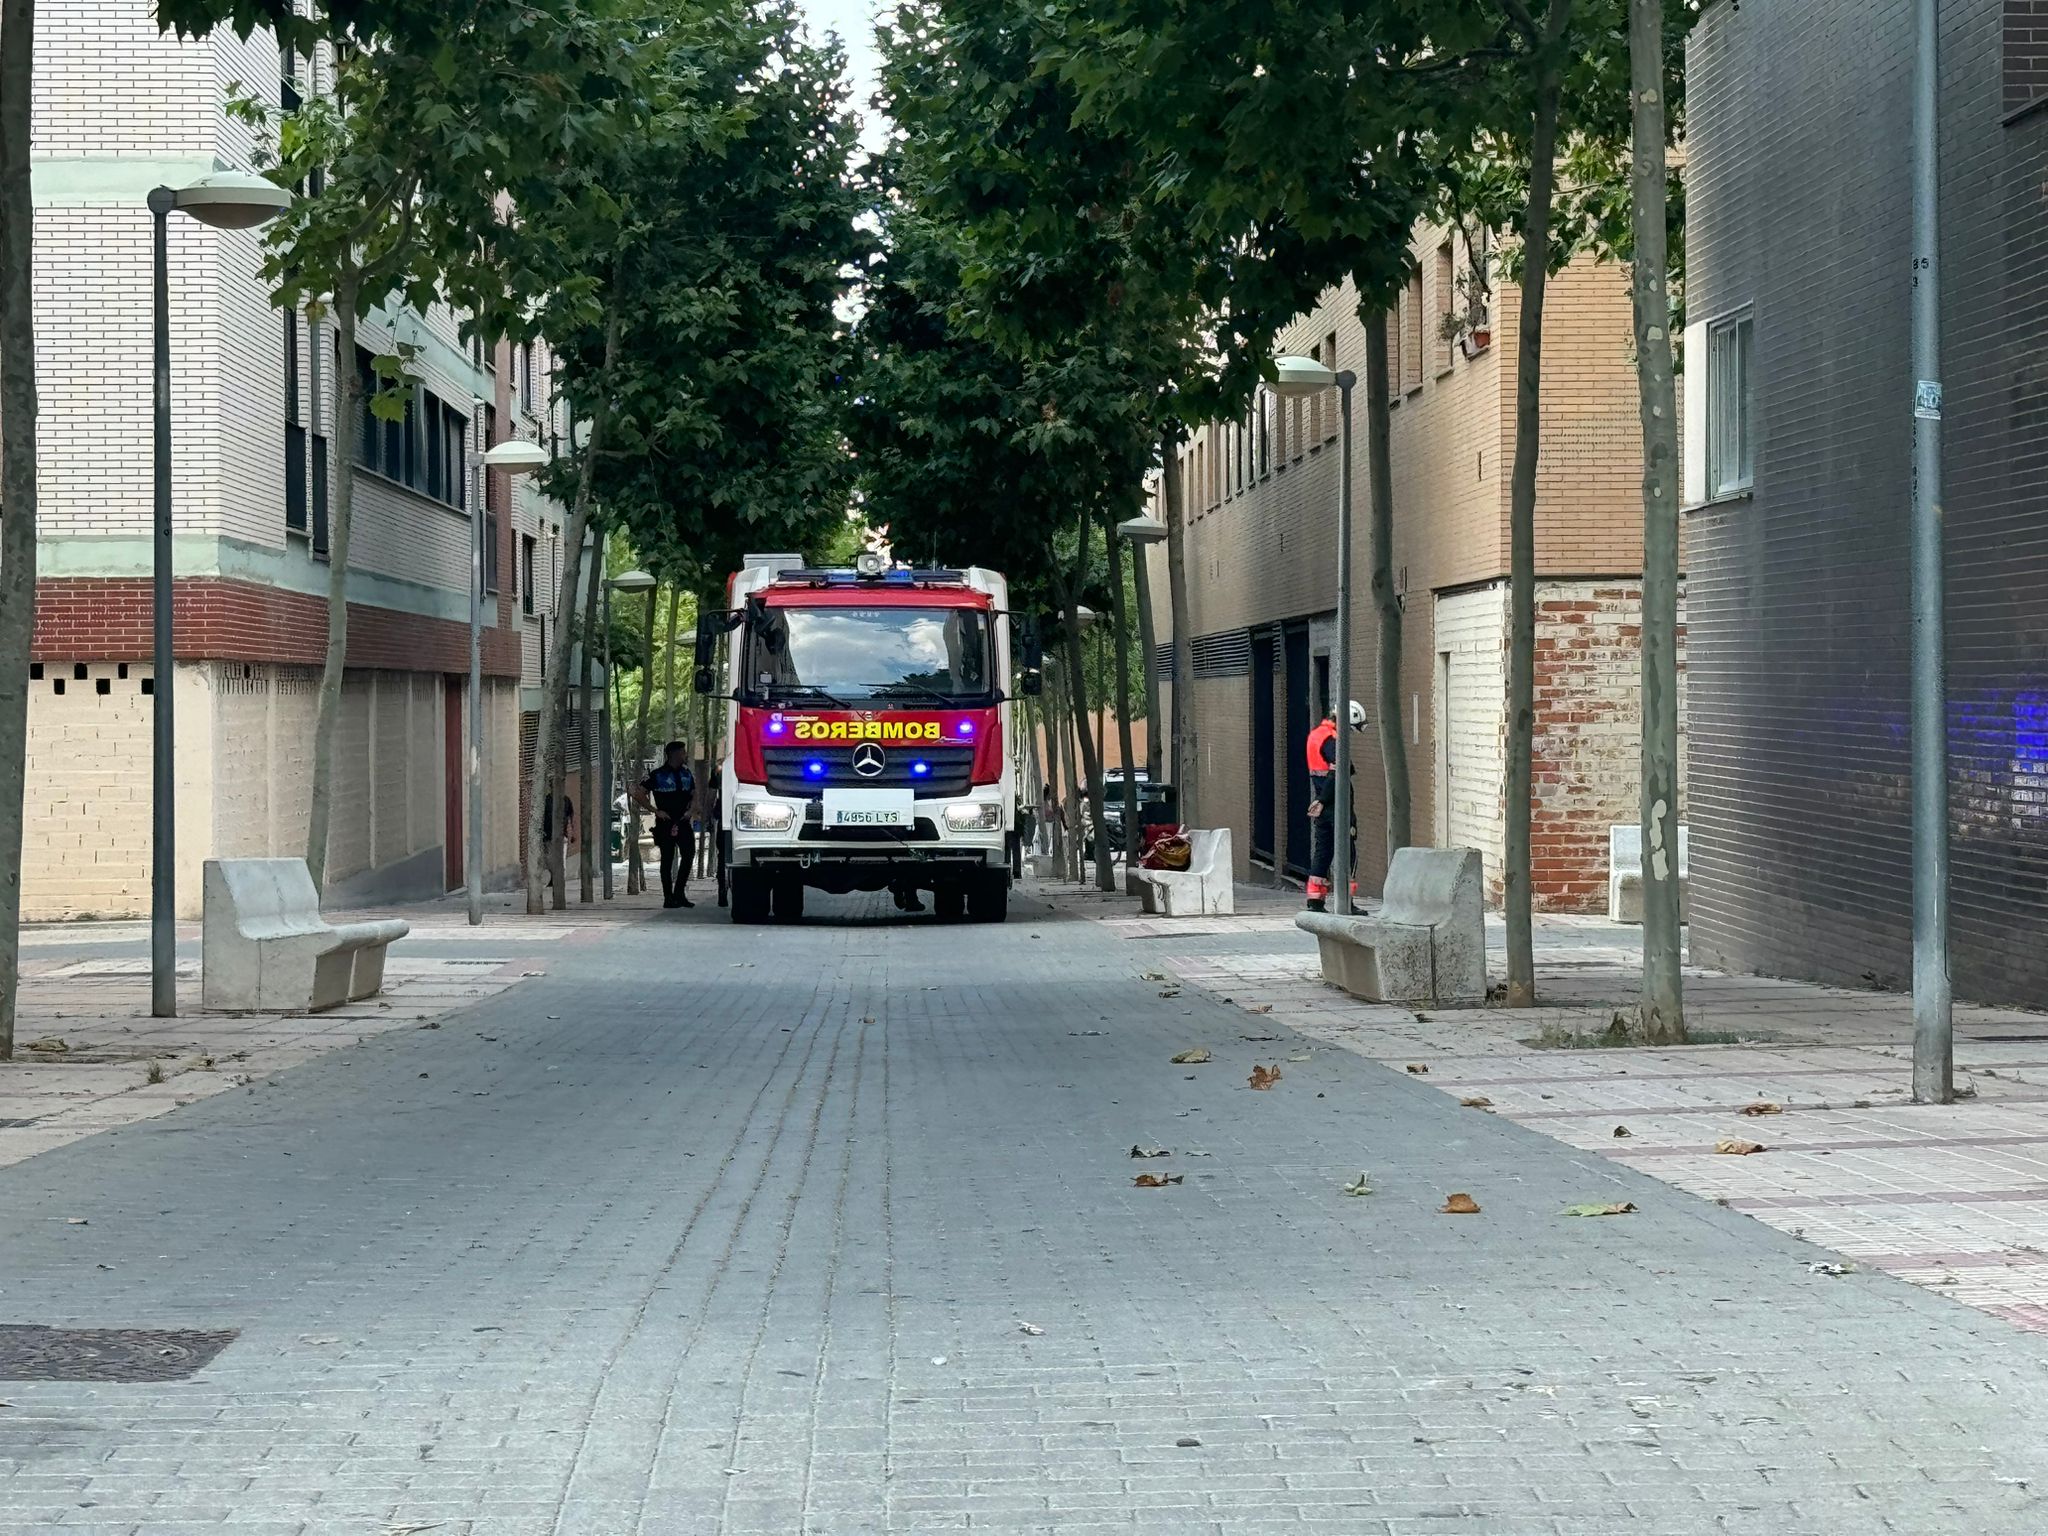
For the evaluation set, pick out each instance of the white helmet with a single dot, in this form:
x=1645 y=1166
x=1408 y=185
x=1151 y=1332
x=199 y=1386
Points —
x=1357 y=715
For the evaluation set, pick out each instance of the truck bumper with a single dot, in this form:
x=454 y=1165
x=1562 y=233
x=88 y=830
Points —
x=872 y=858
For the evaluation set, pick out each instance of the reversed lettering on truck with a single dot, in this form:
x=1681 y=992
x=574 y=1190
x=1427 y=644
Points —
x=866 y=730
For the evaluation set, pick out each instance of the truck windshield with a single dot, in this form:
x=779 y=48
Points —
x=916 y=655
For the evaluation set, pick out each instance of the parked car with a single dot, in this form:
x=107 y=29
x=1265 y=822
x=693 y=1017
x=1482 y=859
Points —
x=1113 y=805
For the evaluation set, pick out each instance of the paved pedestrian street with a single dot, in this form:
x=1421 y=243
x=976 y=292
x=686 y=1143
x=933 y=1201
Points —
x=833 y=1229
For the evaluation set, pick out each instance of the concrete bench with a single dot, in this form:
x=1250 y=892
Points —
x=1625 y=875
x=1206 y=888
x=1426 y=944
x=268 y=950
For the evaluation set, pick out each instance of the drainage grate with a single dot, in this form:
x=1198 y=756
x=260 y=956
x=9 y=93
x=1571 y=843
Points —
x=32 y=1352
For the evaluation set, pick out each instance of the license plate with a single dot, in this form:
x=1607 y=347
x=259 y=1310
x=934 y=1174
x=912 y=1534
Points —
x=869 y=808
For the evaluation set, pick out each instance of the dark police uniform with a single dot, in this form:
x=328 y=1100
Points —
x=672 y=790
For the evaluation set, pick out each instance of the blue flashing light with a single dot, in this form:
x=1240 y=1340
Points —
x=815 y=769
x=920 y=769
x=966 y=727
x=776 y=726
x=900 y=578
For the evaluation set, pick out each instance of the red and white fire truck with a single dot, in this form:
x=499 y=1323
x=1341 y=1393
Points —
x=867 y=745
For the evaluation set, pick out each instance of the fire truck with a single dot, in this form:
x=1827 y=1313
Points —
x=868 y=742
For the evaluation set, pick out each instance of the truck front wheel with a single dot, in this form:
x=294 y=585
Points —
x=749 y=896
x=988 y=900
x=789 y=899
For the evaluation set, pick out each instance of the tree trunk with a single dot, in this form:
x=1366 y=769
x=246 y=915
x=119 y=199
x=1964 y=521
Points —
x=327 y=719
x=1522 y=510
x=1091 y=743
x=1049 y=724
x=17 y=477
x=1661 y=1018
x=593 y=755
x=636 y=874
x=1186 y=762
x=1386 y=601
x=675 y=604
x=547 y=745
x=1123 y=689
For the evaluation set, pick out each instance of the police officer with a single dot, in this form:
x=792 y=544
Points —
x=1322 y=833
x=669 y=792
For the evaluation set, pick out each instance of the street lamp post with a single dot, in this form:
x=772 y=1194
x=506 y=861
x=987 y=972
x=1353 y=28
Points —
x=625 y=581
x=223 y=200
x=1298 y=376
x=515 y=456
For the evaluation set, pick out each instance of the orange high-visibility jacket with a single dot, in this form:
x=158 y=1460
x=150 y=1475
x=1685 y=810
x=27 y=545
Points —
x=1322 y=751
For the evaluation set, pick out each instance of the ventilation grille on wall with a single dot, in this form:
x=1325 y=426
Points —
x=1226 y=655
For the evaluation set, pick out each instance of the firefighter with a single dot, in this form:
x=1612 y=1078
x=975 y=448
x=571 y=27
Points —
x=1322 y=778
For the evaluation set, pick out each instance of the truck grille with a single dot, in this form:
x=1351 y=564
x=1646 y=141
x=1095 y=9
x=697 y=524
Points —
x=950 y=770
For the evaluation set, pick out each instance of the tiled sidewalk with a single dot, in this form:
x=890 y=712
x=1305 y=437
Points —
x=86 y=987
x=1953 y=1197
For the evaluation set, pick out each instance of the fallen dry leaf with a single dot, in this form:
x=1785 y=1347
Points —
x=1621 y=1132
x=1263 y=1078
x=1419 y=1068
x=1262 y=1008
x=1031 y=1330
x=1460 y=1205
x=1192 y=1058
x=1144 y=1151
x=1735 y=1146
x=1762 y=1107
x=1830 y=1269
x=1362 y=1187
x=1169 y=991
x=1623 y=1208
x=1158 y=1180
x=1152 y=976
x=74 y=1221
x=1475 y=1103
x=50 y=1045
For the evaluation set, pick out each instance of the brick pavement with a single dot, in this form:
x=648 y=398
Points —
x=738 y=1232
x=1954 y=1197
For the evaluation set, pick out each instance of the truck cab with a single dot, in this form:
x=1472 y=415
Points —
x=867 y=745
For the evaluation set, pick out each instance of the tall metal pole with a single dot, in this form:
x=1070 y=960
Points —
x=474 y=864
x=1340 y=800
x=604 y=715
x=163 y=884
x=1933 y=1015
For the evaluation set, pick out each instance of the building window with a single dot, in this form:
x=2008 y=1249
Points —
x=1394 y=354
x=1411 y=338
x=1446 y=292
x=527 y=546
x=528 y=399
x=494 y=504
x=425 y=450
x=1731 y=427
x=295 y=511
x=1265 y=429
x=2026 y=55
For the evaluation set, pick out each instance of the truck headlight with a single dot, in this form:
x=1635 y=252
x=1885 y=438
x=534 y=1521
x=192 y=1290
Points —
x=974 y=818
x=765 y=816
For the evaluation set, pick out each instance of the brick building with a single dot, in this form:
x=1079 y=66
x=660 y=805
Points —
x=1799 y=481
x=1261 y=503
x=254 y=434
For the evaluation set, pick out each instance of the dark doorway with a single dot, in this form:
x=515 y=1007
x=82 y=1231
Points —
x=1294 y=644
x=1262 y=745
x=451 y=732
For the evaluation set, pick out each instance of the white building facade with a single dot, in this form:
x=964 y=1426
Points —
x=254 y=444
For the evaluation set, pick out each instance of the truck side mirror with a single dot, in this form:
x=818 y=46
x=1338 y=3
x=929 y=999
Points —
x=1031 y=683
x=1033 y=646
x=707 y=656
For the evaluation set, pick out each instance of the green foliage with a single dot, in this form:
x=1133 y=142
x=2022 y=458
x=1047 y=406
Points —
x=723 y=235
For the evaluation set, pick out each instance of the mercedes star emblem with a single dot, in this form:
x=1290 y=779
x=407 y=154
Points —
x=869 y=760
